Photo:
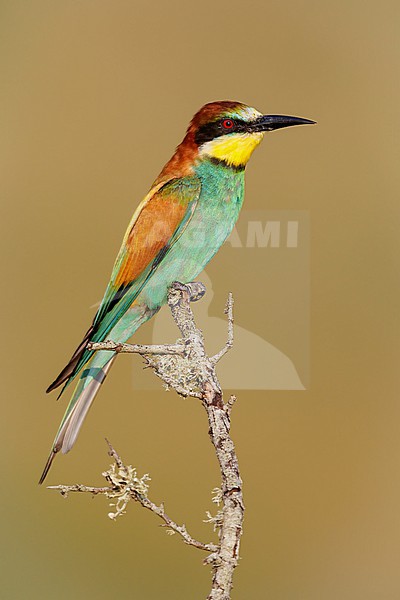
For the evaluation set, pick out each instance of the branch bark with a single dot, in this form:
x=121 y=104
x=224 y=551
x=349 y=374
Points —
x=186 y=367
x=137 y=348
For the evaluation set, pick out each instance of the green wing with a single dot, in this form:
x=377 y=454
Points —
x=155 y=227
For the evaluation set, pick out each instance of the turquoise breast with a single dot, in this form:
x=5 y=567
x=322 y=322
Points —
x=220 y=201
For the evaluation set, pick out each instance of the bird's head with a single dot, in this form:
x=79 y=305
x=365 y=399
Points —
x=230 y=131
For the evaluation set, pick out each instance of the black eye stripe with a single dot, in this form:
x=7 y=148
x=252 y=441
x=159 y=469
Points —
x=215 y=129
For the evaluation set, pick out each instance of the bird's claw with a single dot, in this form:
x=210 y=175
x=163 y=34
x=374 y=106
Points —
x=195 y=289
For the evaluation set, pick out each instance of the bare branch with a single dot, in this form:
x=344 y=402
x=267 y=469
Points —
x=114 y=454
x=229 y=405
x=137 y=348
x=66 y=489
x=229 y=344
x=218 y=413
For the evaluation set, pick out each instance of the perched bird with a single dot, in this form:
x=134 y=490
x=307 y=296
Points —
x=187 y=215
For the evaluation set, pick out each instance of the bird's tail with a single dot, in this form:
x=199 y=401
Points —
x=90 y=376
x=90 y=380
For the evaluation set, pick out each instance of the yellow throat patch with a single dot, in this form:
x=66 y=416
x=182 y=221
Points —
x=234 y=149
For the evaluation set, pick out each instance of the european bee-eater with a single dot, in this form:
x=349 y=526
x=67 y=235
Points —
x=187 y=215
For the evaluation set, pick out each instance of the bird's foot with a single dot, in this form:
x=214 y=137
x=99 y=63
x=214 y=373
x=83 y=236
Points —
x=195 y=289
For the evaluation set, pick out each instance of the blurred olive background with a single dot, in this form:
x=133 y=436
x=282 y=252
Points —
x=94 y=97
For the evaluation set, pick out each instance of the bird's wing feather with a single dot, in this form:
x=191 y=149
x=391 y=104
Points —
x=157 y=224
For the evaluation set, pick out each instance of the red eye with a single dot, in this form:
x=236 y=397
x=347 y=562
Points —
x=227 y=123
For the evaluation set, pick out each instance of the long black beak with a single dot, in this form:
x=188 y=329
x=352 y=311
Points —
x=271 y=122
